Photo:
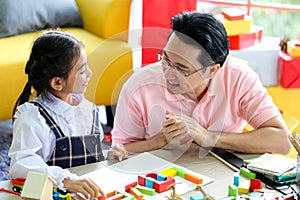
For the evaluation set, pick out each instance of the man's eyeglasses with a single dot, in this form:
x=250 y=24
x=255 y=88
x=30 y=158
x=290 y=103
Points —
x=165 y=62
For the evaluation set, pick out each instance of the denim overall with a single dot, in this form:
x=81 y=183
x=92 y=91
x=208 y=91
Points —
x=71 y=151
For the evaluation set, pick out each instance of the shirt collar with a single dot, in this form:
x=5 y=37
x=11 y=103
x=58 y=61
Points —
x=54 y=104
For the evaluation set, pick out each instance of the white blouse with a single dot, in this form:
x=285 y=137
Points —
x=33 y=140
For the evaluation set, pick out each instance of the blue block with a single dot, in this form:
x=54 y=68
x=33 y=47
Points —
x=236 y=179
x=161 y=177
x=149 y=182
x=197 y=197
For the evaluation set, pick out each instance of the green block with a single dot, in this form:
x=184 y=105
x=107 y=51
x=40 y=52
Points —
x=146 y=190
x=246 y=172
x=232 y=190
x=180 y=172
x=127 y=196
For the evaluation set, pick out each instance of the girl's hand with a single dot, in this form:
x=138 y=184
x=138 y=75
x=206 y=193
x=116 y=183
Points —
x=88 y=188
x=117 y=151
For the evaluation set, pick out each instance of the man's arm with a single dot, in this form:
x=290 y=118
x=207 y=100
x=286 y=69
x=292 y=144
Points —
x=154 y=143
x=271 y=136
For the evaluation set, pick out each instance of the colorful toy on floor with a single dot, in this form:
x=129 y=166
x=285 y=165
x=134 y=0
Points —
x=38 y=186
x=9 y=191
x=18 y=184
x=152 y=183
x=60 y=195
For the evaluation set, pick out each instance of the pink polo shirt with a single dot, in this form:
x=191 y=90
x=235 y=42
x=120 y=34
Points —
x=234 y=98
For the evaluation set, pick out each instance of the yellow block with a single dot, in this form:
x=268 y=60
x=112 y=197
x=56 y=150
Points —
x=169 y=172
x=236 y=27
x=244 y=187
x=292 y=49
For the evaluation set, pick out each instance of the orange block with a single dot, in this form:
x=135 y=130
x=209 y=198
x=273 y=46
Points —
x=111 y=194
x=193 y=178
x=136 y=193
x=116 y=197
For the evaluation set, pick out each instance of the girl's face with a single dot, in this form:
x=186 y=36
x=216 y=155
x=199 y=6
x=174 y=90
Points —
x=79 y=75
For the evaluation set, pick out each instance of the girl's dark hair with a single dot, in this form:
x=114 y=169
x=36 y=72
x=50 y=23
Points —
x=53 y=54
x=206 y=31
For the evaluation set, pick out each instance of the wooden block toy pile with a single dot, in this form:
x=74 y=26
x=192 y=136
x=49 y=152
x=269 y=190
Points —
x=239 y=27
x=252 y=188
x=150 y=184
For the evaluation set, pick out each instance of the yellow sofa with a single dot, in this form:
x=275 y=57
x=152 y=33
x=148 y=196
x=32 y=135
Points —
x=104 y=34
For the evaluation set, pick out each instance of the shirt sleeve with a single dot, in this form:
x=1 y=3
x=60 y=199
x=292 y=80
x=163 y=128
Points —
x=128 y=122
x=32 y=145
x=256 y=105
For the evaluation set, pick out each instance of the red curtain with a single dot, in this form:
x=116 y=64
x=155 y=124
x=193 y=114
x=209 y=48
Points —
x=156 y=21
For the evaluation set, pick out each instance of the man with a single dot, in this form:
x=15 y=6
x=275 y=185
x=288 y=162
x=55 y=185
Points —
x=198 y=93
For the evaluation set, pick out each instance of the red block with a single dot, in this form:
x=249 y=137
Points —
x=255 y=184
x=289 y=71
x=162 y=186
x=127 y=187
x=245 y=40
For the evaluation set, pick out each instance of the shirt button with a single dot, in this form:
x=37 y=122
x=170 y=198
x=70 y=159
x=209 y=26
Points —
x=63 y=147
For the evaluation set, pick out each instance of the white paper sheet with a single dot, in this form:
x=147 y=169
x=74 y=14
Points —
x=116 y=177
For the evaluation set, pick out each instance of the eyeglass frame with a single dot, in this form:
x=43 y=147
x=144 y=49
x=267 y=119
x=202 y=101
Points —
x=165 y=58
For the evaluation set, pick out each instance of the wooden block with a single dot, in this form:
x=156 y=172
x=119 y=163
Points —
x=127 y=187
x=116 y=197
x=37 y=186
x=161 y=177
x=232 y=190
x=136 y=193
x=193 y=178
x=246 y=172
x=236 y=179
x=169 y=172
x=244 y=187
x=197 y=197
x=255 y=184
x=111 y=194
x=149 y=182
x=145 y=190
x=180 y=172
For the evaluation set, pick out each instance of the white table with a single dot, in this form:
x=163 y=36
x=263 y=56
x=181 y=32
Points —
x=208 y=166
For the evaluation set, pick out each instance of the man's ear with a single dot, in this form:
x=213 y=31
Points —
x=212 y=70
x=56 y=83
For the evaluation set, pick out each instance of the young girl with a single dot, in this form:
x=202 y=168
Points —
x=59 y=128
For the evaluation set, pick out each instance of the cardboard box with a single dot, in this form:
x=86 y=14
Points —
x=289 y=71
x=263 y=59
x=246 y=40
x=236 y=27
x=293 y=48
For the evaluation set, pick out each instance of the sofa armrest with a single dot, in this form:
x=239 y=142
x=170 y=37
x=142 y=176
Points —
x=105 y=18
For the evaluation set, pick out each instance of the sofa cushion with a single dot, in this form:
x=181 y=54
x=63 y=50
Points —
x=18 y=17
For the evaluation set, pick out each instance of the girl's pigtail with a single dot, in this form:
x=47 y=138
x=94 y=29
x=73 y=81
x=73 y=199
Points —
x=23 y=97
